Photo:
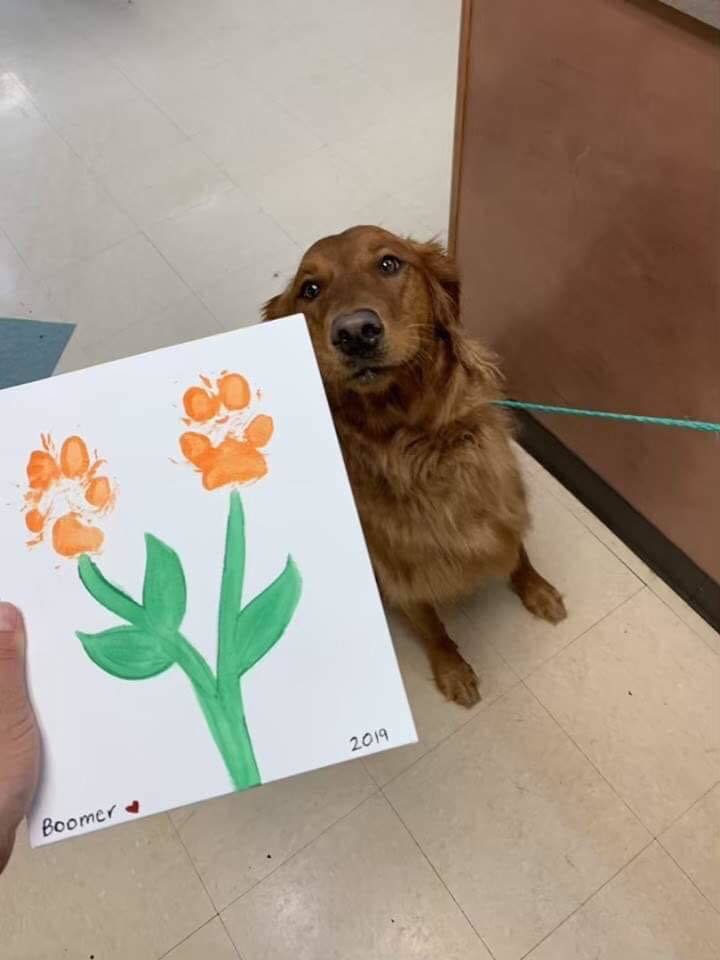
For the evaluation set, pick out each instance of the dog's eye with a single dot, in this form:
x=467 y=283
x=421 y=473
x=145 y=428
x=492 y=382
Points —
x=309 y=290
x=389 y=264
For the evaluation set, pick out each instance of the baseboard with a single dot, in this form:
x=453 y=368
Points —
x=660 y=554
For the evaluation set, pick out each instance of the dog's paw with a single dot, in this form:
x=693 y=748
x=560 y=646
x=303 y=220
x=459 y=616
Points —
x=457 y=680
x=544 y=601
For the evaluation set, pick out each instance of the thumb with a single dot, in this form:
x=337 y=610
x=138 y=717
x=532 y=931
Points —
x=19 y=740
x=19 y=737
x=13 y=688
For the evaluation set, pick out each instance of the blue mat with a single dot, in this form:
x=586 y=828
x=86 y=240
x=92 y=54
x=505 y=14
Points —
x=30 y=349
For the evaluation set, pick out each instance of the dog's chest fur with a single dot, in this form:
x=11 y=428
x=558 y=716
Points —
x=438 y=511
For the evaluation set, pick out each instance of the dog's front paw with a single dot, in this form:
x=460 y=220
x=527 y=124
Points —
x=544 y=601
x=456 y=679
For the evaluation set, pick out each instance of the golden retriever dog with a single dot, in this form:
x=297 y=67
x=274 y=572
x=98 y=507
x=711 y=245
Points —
x=429 y=457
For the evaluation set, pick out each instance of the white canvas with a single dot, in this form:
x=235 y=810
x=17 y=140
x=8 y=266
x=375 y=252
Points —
x=328 y=690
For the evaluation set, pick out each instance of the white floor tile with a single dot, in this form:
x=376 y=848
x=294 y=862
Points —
x=185 y=320
x=162 y=183
x=20 y=295
x=68 y=225
x=36 y=161
x=594 y=584
x=237 y=840
x=639 y=694
x=66 y=85
x=260 y=140
x=316 y=196
x=74 y=357
x=236 y=300
x=685 y=612
x=363 y=890
x=224 y=234
x=108 y=292
x=650 y=911
x=693 y=842
x=132 y=130
x=203 y=97
x=516 y=821
x=121 y=893
x=15 y=100
x=435 y=718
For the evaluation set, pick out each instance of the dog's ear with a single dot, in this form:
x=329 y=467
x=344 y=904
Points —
x=444 y=284
x=273 y=308
x=443 y=281
x=281 y=305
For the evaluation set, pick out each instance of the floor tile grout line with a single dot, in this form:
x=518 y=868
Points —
x=688 y=808
x=207 y=893
x=188 y=937
x=192 y=137
x=437 y=874
x=688 y=876
x=587 y=899
x=21 y=258
x=143 y=231
x=655 y=836
x=669 y=827
x=523 y=677
x=75 y=262
x=230 y=937
x=585 y=632
x=374 y=793
x=464 y=613
x=148 y=318
x=651 y=837
x=223 y=169
x=681 y=619
x=150 y=99
x=187 y=138
x=599 y=772
x=143 y=227
x=42 y=279
x=140 y=229
x=486 y=704
x=192 y=864
x=541 y=473
x=87 y=168
x=648 y=583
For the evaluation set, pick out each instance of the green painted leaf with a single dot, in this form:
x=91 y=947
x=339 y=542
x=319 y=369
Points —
x=126 y=652
x=107 y=594
x=264 y=620
x=164 y=590
x=232 y=579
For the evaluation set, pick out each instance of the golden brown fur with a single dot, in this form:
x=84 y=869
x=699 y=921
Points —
x=429 y=457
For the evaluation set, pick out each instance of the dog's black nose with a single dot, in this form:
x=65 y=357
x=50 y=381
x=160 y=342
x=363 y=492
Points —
x=357 y=334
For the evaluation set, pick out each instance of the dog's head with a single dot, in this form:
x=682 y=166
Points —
x=376 y=306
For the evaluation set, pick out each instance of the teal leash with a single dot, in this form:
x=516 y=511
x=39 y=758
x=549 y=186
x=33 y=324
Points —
x=703 y=425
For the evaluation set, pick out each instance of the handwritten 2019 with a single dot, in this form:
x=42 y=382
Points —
x=368 y=739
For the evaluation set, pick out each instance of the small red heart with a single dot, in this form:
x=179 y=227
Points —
x=133 y=807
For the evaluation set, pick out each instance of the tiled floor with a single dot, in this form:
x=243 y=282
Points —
x=162 y=162
x=165 y=159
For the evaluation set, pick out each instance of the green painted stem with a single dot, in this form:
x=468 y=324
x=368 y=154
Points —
x=224 y=713
x=226 y=722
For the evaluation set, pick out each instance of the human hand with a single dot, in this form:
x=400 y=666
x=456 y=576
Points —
x=19 y=735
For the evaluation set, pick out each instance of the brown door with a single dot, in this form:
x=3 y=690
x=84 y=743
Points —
x=587 y=227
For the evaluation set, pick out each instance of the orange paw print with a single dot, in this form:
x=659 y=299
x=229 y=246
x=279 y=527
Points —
x=66 y=495
x=224 y=445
